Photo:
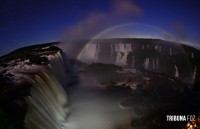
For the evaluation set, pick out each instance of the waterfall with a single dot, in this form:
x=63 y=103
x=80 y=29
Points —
x=48 y=106
x=192 y=55
x=194 y=74
x=176 y=72
x=48 y=102
x=122 y=52
x=90 y=53
x=97 y=51
x=121 y=47
x=57 y=66
x=146 y=63
x=156 y=47
x=142 y=46
x=121 y=58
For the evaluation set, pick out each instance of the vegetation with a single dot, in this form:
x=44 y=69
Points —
x=31 y=53
x=106 y=73
x=7 y=122
x=103 y=68
x=35 y=59
x=12 y=103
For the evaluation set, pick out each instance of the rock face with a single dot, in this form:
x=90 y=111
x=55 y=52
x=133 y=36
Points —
x=149 y=71
x=33 y=80
x=155 y=55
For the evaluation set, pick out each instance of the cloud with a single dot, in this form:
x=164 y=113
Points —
x=121 y=11
x=95 y=22
x=84 y=28
x=126 y=7
x=180 y=32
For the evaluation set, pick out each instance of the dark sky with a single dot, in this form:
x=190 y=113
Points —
x=26 y=22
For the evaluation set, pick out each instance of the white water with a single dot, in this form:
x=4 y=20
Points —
x=158 y=48
x=142 y=46
x=97 y=51
x=176 y=74
x=48 y=102
x=194 y=74
x=58 y=67
x=192 y=55
x=122 y=52
x=48 y=106
x=90 y=53
x=146 y=63
x=121 y=58
x=122 y=47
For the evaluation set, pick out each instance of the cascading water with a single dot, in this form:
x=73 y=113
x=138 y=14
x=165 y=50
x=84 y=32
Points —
x=48 y=106
x=192 y=55
x=48 y=102
x=194 y=74
x=57 y=66
x=146 y=63
x=176 y=74
x=142 y=46
x=158 y=48
x=122 y=52
x=90 y=53
x=97 y=51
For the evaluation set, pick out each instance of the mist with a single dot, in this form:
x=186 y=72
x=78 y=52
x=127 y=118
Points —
x=120 y=12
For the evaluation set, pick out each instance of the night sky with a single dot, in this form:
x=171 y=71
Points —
x=26 y=22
